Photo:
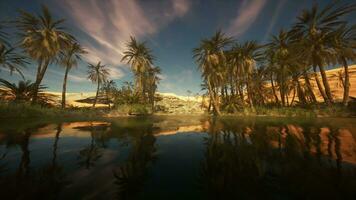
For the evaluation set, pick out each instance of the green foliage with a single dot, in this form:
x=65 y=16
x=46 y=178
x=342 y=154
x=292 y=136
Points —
x=257 y=75
x=133 y=109
x=278 y=111
x=23 y=92
x=25 y=110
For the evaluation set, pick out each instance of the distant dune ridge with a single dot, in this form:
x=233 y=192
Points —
x=194 y=101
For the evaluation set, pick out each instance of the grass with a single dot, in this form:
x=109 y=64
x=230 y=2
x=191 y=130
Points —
x=310 y=112
x=23 y=111
x=12 y=110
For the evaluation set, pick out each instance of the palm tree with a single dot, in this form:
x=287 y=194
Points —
x=211 y=61
x=17 y=93
x=140 y=57
x=69 y=59
x=97 y=74
x=42 y=38
x=23 y=92
x=313 y=29
x=248 y=55
x=11 y=60
x=152 y=82
x=109 y=89
x=344 y=44
x=280 y=50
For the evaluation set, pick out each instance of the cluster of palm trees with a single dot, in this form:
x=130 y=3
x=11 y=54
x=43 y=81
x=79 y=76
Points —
x=239 y=74
x=45 y=41
x=146 y=75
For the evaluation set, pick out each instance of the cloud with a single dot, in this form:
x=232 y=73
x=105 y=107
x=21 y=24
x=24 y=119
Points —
x=179 y=82
x=109 y=24
x=274 y=19
x=116 y=73
x=246 y=15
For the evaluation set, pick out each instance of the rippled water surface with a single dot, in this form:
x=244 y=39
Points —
x=179 y=158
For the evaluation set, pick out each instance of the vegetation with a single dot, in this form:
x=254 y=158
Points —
x=69 y=59
x=10 y=59
x=245 y=75
x=239 y=77
x=42 y=38
x=97 y=74
x=140 y=57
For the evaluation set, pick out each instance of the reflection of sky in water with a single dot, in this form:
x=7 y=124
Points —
x=179 y=150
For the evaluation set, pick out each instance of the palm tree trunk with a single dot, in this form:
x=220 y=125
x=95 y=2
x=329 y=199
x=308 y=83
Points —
x=241 y=92
x=320 y=87
x=287 y=97
x=249 y=95
x=281 y=92
x=213 y=99
x=345 y=99
x=293 y=97
x=97 y=94
x=274 y=90
x=300 y=92
x=326 y=83
x=310 y=88
x=40 y=74
x=65 y=87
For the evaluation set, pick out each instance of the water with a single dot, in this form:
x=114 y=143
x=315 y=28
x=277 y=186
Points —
x=179 y=158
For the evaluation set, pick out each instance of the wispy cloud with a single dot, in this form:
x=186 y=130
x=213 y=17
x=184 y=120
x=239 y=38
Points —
x=274 y=19
x=110 y=23
x=246 y=15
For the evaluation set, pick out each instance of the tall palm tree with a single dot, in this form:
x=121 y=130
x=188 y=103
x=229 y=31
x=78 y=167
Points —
x=344 y=44
x=69 y=59
x=247 y=56
x=211 y=61
x=11 y=60
x=280 y=50
x=97 y=74
x=42 y=38
x=140 y=57
x=313 y=29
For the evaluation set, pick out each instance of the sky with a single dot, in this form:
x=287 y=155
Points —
x=171 y=28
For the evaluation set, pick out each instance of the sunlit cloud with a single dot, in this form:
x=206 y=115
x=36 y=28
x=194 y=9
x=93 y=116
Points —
x=116 y=73
x=274 y=19
x=246 y=15
x=110 y=23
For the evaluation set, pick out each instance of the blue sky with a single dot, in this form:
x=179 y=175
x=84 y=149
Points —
x=172 y=28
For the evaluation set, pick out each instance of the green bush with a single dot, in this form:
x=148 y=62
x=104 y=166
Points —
x=133 y=109
x=25 y=110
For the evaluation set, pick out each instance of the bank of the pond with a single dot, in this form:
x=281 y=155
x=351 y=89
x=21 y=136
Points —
x=312 y=112
x=23 y=111
x=34 y=111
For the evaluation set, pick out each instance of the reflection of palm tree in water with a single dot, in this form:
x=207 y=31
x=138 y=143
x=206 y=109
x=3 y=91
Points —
x=231 y=164
x=334 y=142
x=91 y=153
x=131 y=176
x=238 y=170
x=23 y=169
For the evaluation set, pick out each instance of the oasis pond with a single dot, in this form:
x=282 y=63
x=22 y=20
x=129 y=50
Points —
x=179 y=157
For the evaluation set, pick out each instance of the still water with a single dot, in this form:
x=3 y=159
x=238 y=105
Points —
x=179 y=158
